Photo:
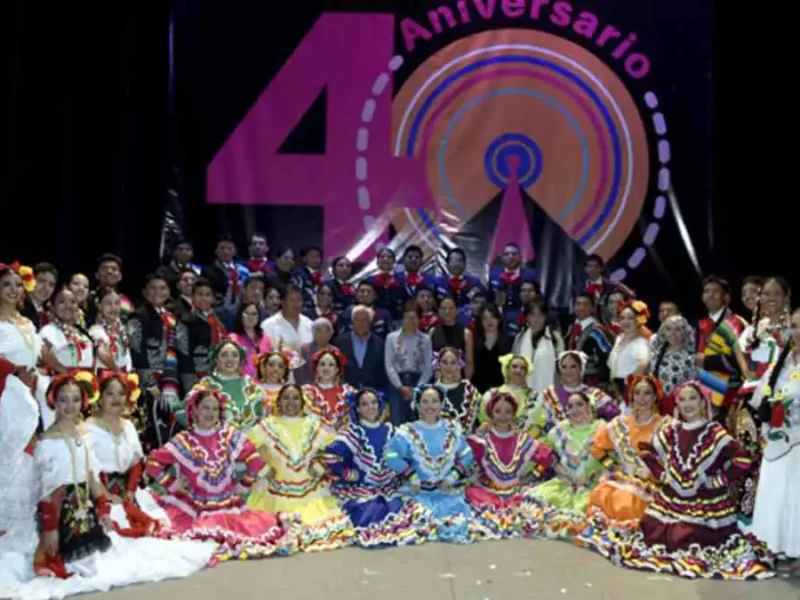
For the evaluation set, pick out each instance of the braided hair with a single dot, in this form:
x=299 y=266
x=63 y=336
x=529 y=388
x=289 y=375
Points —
x=764 y=408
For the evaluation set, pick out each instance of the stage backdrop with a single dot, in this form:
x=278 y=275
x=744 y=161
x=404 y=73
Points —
x=566 y=127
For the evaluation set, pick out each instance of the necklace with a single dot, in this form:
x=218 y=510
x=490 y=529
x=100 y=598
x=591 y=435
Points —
x=26 y=331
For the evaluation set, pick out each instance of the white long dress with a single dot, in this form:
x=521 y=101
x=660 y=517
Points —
x=70 y=461
x=77 y=353
x=19 y=417
x=118 y=454
x=776 y=517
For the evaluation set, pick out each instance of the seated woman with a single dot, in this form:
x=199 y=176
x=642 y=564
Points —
x=327 y=397
x=462 y=400
x=515 y=372
x=246 y=398
x=78 y=550
x=116 y=445
x=433 y=456
x=552 y=402
x=690 y=527
x=626 y=489
x=560 y=504
x=292 y=441
x=507 y=461
x=196 y=470
x=363 y=483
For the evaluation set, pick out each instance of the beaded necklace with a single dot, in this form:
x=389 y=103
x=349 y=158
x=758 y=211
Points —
x=76 y=341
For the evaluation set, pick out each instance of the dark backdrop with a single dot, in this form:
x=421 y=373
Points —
x=87 y=155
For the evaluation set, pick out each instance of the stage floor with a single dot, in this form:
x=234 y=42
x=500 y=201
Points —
x=508 y=570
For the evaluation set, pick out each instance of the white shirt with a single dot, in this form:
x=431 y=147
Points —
x=625 y=358
x=282 y=333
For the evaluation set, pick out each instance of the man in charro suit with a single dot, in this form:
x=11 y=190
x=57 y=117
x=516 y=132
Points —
x=588 y=335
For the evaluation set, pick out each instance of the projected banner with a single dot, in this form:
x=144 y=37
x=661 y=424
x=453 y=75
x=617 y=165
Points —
x=473 y=123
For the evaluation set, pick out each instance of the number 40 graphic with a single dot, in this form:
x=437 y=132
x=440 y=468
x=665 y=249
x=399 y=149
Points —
x=346 y=54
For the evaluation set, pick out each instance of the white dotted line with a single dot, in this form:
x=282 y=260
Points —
x=362 y=143
x=664 y=178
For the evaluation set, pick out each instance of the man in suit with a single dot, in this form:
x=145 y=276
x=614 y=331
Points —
x=364 y=352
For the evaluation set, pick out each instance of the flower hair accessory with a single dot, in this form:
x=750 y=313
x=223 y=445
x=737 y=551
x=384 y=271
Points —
x=581 y=357
x=129 y=381
x=505 y=364
x=459 y=354
x=290 y=358
x=655 y=383
x=421 y=389
x=25 y=273
x=352 y=396
x=498 y=396
x=212 y=358
x=705 y=395
x=85 y=382
x=639 y=309
x=205 y=387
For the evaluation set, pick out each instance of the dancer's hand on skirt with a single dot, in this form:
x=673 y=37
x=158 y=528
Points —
x=50 y=543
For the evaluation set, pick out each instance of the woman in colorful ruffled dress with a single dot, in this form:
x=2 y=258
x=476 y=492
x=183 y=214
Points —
x=69 y=344
x=626 y=489
x=507 y=461
x=292 y=441
x=78 y=550
x=366 y=487
x=272 y=372
x=196 y=471
x=552 y=403
x=246 y=398
x=462 y=400
x=690 y=527
x=776 y=518
x=515 y=372
x=434 y=458
x=116 y=446
x=327 y=397
x=109 y=334
x=560 y=504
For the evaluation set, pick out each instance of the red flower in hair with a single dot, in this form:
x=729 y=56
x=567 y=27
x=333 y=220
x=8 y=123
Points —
x=496 y=397
x=633 y=380
x=340 y=359
x=777 y=415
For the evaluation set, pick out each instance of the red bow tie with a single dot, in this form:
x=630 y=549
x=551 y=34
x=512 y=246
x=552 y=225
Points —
x=594 y=289
x=455 y=284
x=509 y=278
x=258 y=265
x=316 y=278
x=384 y=280
x=414 y=279
x=347 y=289
x=428 y=322
x=233 y=278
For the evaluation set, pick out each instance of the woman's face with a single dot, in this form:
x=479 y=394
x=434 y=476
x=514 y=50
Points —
x=578 y=410
x=794 y=327
x=343 y=269
x=327 y=369
x=286 y=261
x=503 y=415
x=368 y=407
x=274 y=370
x=490 y=323
x=112 y=400
x=110 y=307
x=273 y=300
x=614 y=300
x=750 y=292
x=450 y=367
x=627 y=321
x=65 y=306
x=325 y=297
x=517 y=372
x=644 y=398
x=673 y=334
x=185 y=283
x=80 y=287
x=385 y=261
x=430 y=405
x=456 y=264
x=690 y=405
x=229 y=360
x=410 y=321
x=425 y=300
x=571 y=371
x=322 y=336
x=447 y=310
x=207 y=412
x=773 y=300
x=291 y=402
x=11 y=291
x=536 y=320
x=250 y=317
x=68 y=403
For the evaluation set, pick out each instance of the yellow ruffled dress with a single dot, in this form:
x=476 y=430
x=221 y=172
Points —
x=290 y=446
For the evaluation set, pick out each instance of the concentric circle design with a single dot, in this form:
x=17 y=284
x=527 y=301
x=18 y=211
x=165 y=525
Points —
x=534 y=104
x=513 y=152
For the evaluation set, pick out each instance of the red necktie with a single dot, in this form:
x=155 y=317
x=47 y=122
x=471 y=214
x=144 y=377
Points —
x=218 y=332
x=233 y=276
x=577 y=330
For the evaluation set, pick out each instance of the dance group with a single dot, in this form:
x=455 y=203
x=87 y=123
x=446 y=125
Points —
x=140 y=444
